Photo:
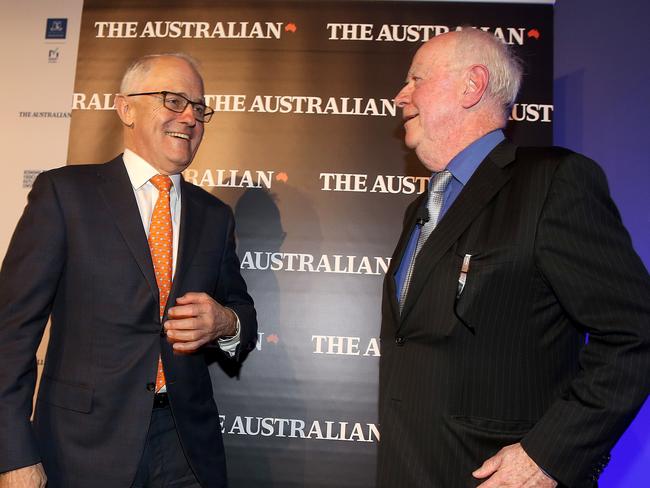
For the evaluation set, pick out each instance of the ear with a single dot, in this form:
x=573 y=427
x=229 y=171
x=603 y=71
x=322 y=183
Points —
x=125 y=110
x=476 y=83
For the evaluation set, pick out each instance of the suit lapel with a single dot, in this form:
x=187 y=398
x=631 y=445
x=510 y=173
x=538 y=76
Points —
x=115 y=187
x=489 y=177
x=190 y=230
x=398 y=254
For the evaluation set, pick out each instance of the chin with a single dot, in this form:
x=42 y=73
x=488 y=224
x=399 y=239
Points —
x=180 y=167
x=410 y=142
x=181 y=159
x=412 y=137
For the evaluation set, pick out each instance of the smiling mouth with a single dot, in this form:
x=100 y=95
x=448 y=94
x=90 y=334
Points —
x=408 y=118
x=179 y=135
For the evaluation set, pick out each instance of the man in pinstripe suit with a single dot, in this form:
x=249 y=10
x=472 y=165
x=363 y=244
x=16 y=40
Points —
x=486 y=376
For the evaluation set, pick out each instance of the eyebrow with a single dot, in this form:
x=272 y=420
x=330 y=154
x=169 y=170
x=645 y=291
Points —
x=186 y=95
x=410 y=75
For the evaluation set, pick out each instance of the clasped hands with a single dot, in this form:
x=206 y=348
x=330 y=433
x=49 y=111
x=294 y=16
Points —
x=512 y=467
x=197 y=319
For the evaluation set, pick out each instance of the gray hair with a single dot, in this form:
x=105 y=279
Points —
x=505 y=67
x=138 y=68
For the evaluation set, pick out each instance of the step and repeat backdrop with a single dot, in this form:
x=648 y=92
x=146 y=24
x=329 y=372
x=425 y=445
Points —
x=306 y=146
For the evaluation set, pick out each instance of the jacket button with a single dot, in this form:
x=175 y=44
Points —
x=399 y=340
x=151 y=386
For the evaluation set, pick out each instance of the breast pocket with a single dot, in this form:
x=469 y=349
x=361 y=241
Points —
x=484 y=277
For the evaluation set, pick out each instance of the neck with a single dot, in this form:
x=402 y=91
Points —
x=456 y=139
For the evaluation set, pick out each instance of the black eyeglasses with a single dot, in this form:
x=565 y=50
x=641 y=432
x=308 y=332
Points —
x=178 y=103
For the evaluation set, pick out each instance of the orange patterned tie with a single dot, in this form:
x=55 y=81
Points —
x=160 y=244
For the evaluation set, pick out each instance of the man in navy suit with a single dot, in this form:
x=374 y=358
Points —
x=80 y=256
x=486 y=377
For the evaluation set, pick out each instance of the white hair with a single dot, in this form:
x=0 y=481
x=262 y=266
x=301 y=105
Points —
x=504 y=66
x=138 y=68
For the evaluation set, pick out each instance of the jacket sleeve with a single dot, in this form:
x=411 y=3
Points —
x=232 y=292
x=585 y=255
x=28 y=282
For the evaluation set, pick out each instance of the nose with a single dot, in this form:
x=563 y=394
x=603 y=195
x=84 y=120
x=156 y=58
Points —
x=187 y=116
x=403 y=98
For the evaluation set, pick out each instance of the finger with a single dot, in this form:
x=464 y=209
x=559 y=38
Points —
x=492 y=482
x=193 y=297
x=185 y=336
x=173 y=327
x=186 y=347
x=184 y=311
x=190 y=323
x=488 y=467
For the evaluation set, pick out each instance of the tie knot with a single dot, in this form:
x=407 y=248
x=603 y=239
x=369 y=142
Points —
x=440 y=181
x=161 y=182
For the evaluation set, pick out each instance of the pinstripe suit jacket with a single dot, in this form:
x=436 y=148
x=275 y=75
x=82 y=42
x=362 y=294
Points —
x=507 y=360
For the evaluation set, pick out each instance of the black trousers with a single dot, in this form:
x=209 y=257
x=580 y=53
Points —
x=163 y=463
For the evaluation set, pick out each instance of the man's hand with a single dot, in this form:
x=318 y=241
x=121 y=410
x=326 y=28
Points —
x=511 y=466
x=27 y=477
x=196 y=320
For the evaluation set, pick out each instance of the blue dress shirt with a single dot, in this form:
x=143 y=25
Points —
x=461 y=167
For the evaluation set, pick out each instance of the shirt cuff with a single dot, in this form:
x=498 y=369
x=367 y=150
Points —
x=229 y=344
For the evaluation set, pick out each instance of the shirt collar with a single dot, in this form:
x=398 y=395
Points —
x=463 y=165
x=140 y=171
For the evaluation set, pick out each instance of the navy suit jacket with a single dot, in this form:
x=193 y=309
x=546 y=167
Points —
x=80 y=256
